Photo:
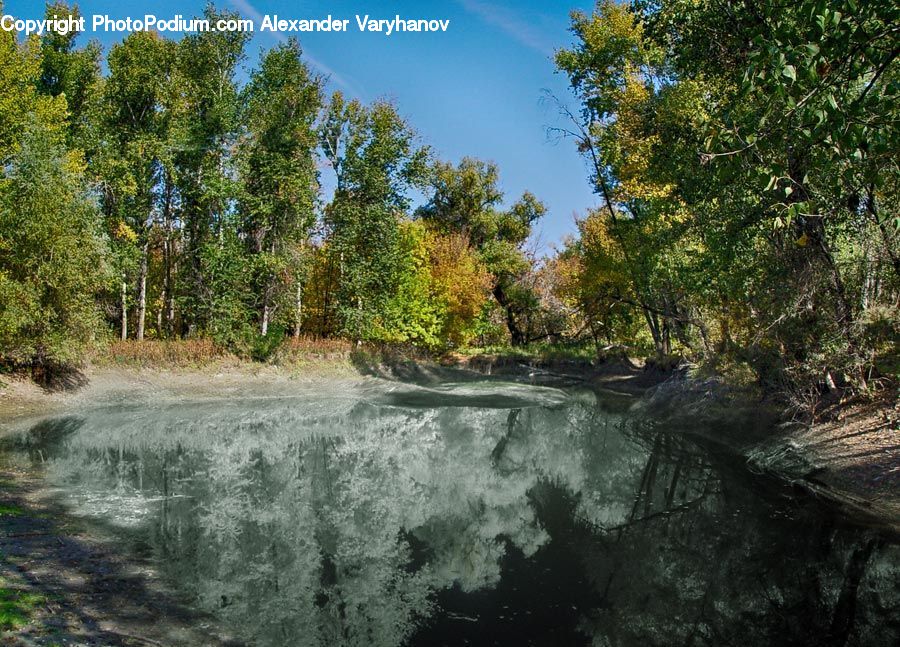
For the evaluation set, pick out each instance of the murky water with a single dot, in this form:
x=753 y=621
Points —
x=476 y=514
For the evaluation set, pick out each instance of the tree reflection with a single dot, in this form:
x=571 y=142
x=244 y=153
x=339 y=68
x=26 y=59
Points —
x=387 y=520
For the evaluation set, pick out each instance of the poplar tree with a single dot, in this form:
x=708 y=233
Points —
x=376 y=162
x=133 y=144
x=279 y=178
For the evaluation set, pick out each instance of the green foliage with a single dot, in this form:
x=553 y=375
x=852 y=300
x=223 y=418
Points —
x=225 y=298
x=377 y=162
x=214 y=224
x=279 y=179
x=465 y=200
x=770 y=245
x=52 y=254
x=72 y=73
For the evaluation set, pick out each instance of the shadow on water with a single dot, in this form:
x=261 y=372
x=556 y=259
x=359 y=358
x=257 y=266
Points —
x=476 y=513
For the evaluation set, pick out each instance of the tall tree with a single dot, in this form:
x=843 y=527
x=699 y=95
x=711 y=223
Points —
x=279 y=178
x=376 y=162
x=203 y=153
x=134 y=140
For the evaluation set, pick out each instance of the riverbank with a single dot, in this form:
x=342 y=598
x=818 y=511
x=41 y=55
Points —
x=849 y=456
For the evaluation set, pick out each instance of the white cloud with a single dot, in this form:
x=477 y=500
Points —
x=247 y=9
x=510 y=22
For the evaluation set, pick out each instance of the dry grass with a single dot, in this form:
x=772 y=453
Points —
x=315 y=347
x=185 y=353
x=195 y=353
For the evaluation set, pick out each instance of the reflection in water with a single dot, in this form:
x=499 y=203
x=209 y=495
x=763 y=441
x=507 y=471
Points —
x=484 y=514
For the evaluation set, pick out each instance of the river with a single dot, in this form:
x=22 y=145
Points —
x=480 y=513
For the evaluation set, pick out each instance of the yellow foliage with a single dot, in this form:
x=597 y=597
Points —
x=121 y=231
x=460 y=281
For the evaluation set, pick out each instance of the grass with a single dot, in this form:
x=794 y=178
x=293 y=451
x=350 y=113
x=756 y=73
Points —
x=16 y=607
x=7 y=510
x=151 y=353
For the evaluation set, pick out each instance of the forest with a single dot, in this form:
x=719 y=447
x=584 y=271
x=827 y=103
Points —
x=744 y=155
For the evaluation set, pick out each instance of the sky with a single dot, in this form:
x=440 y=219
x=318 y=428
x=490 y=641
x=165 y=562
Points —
x=476 y=90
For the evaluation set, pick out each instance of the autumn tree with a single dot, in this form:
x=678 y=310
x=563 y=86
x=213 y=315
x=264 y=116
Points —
x=466 y=200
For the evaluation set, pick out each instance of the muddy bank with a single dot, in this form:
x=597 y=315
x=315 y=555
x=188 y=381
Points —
x=849 y=458
x=21 y=399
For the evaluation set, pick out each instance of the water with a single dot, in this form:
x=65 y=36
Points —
x=468 y=514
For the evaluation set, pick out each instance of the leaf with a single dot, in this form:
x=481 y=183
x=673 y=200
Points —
x=790 y=72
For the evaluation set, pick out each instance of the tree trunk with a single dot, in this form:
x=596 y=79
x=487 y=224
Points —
x=124 y=308
x=264 y=327
x=653 y=326
x=299 y=311
x=168 y=288
x=142 y=291
x=517 y=336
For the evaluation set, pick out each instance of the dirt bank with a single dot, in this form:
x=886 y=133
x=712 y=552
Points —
x=850 y=455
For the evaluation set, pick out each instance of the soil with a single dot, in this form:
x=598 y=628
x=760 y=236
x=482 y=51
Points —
x=854 y=455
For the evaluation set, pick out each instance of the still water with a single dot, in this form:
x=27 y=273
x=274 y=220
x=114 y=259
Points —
x=467 y=514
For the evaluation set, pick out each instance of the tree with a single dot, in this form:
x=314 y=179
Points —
x=279 y=179
x=51 y=254
x=465 y=200
x=204 y=133
x=738 y=149
x=134 y=139
x=376 y=161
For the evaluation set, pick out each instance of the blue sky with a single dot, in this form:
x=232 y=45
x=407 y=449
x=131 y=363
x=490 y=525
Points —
x=475 y=90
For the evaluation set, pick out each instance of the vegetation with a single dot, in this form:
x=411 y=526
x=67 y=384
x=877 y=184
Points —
x=745 y=155
x=16 y=607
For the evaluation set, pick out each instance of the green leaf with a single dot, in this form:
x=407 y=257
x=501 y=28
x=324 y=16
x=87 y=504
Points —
x=790 y=72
